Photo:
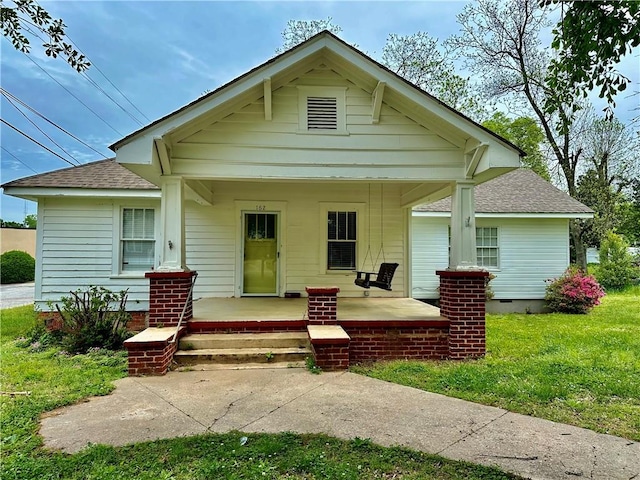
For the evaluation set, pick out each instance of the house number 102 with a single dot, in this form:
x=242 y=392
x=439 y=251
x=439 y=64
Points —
x=260 y=208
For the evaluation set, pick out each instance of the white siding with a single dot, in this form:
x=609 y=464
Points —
x=212 y=234
x=244 y=144
x=77 y=251
x=531 y=251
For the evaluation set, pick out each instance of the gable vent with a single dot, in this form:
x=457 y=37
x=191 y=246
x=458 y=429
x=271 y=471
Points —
x=322 y=113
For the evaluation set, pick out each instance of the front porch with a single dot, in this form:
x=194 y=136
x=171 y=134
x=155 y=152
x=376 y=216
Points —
x=252 y=309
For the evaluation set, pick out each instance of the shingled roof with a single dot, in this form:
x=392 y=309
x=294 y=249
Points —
x=519 y=191
x=103 y=174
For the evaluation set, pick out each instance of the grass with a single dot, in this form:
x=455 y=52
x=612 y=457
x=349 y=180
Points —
x=582 y=370
x=56 y=379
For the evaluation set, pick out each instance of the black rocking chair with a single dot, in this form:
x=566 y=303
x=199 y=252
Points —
x=383 y=281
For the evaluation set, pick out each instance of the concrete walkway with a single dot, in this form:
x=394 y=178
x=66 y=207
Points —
x=344 y=405
x=16 y=294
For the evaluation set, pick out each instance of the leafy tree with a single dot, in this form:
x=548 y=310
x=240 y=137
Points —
x=616 y=270
x=611 y=149
x=630 y=214
x=297 y=31
x=591 y=38
x=526 y=134
x=10 y=224
x=31 y=221
x=421 y=60
x=26 y=17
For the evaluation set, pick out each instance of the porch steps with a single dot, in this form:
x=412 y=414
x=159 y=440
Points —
x=243 y=350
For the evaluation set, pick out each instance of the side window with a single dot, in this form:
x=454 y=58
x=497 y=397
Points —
x=342 y=240
x=487 y=250
x=487 y=246
x=137 y=240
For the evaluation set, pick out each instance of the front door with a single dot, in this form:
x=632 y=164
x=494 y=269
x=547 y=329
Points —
x=260 y=249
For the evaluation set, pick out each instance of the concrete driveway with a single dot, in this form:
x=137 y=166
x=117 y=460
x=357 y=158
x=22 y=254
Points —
x=343 y=405
x=16 y=294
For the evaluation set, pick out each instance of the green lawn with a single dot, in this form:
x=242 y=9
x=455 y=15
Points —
x=55 y=379
x=582 y=370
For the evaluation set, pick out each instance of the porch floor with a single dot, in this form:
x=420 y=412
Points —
x=276 y=308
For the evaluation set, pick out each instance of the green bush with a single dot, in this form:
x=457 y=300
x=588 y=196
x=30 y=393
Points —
x=573 y=292
x=95 y=318
x=17 y=267
x=616 y=270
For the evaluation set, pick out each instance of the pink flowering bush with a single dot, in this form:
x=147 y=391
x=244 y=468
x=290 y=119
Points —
x=573 y=292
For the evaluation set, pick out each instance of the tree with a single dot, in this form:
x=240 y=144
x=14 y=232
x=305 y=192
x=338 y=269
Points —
x=10 y=224
x=27 y=17
x=501 y=42
x=525 y=133
x=421 y=60
x=297 y=31
x=31 y=221
x=630 y=215
x=591 y=38
x=611 y=150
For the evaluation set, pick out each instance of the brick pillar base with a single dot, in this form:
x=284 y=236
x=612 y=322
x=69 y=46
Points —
x=168 y=292
x=322 y=305
x=462 y=301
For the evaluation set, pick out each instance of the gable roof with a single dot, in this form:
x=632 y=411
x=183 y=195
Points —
x=103 y=174
x=273 y=61
x=519 y=191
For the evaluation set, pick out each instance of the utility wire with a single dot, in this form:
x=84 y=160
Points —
x=74 y=96
x=78 y=162
x=5 y=92
x=8 y=152
x=92 y=82
x=37 y=142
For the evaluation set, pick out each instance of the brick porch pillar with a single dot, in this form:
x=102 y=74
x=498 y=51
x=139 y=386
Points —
x=168 y=292
x=322 y=305
x=462 y=301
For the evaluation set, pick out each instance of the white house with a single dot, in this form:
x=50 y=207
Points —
x=283 y=178
x=522 y=237
x=252 y=177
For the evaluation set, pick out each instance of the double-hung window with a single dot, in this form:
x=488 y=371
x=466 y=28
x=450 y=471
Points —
x=487 y=250
x=341 y=241
x=137 y=240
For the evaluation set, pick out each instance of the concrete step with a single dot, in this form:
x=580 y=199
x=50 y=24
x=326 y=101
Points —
x=197 y=341
x=204 y=367
x=242 y=355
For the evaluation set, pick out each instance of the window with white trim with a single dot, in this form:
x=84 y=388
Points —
x=137 y=240
x=487 y=250
x=341 y=240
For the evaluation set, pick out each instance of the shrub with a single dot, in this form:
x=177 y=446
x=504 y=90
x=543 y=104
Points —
x=616 y=270
x=17 y=267
x=90 y=321
x=573 y=292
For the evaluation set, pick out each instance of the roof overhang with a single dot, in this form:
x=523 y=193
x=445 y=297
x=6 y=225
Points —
x=34 y=193
x=504 y=215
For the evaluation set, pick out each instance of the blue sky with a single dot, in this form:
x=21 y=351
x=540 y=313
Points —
x=163 y=55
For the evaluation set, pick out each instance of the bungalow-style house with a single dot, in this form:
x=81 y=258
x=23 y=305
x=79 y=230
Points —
x=279 y=184
x=522 y=237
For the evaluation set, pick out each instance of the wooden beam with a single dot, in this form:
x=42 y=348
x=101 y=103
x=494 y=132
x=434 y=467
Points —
x=472 y=160
x=197 y=191
x=163 y=155
x=267 y=98
x=376 y=102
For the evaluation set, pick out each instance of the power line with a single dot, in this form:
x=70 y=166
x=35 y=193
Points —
x=5 y=92
x=7 y=151
x=74 y=96
x=95 y=84
x=37 y=142
x=40 y=130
